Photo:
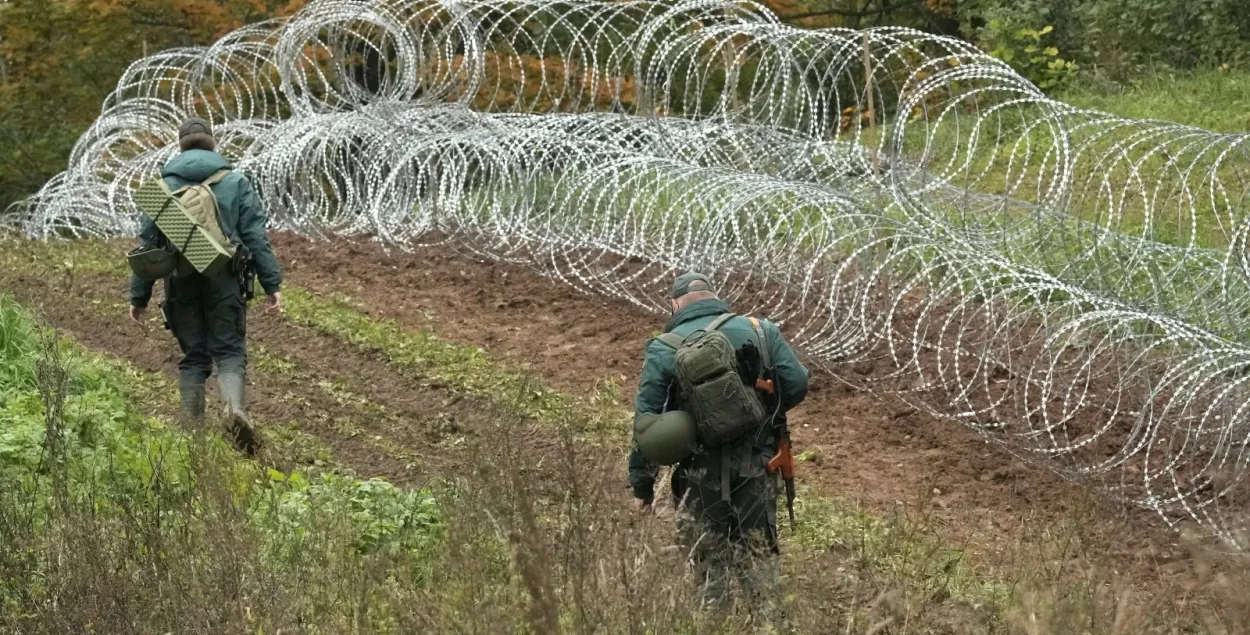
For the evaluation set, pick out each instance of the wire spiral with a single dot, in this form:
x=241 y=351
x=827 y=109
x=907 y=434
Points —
x=1068 y=283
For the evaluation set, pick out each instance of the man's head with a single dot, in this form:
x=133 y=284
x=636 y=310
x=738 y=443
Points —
x=690 y=287
x=196 y=134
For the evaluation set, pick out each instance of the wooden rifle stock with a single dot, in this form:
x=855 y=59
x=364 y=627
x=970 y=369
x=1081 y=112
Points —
x=783 y=462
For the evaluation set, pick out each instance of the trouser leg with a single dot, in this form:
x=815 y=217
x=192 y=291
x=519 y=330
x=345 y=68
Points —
x=227 y=344
x=233 y=391
x=703 y=530
x=757 y=565
x=733 y=534
x=189 y=326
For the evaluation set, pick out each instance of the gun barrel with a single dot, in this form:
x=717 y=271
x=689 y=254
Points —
x=790 y=500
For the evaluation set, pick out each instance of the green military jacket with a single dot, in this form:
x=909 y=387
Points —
x=657 y=387
x=242 y=214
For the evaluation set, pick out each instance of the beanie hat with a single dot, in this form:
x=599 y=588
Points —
x=196 y=133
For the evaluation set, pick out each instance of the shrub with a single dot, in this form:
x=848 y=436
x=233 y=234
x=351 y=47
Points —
x=1025 y=50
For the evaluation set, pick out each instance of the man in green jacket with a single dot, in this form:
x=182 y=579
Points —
x=208 y=315
x=726 y=500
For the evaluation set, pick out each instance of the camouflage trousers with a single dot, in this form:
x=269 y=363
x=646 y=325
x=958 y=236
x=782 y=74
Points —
x=727 y=523
x=208 y=316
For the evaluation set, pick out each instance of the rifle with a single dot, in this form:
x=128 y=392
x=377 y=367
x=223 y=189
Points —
x=783 y=461
x=768 y=383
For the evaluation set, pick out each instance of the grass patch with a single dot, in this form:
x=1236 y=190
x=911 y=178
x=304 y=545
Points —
x=1212 y=100
x=109 y=514
x=443 y=364
x=897 y=548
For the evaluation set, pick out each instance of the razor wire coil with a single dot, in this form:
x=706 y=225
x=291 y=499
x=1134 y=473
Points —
x=1068 y=283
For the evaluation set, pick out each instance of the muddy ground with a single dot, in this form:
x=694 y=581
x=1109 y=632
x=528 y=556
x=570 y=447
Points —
x=867 y=448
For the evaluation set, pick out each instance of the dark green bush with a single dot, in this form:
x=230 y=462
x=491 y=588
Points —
x=1119 y=39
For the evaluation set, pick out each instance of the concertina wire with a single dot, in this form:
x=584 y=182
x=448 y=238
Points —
x=1069 y=284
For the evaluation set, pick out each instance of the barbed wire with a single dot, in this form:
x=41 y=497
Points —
x=1068 y=283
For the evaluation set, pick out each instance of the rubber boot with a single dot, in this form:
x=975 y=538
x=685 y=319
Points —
x=191 y=406
x=233 y=393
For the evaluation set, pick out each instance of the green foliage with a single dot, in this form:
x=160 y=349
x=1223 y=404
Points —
x=77 y=449
x=383 y=519
x=16 y=344
x=1116 y=39
x=59 y=60
x=1026 y=51
x=55 y=85
x=1124 y=38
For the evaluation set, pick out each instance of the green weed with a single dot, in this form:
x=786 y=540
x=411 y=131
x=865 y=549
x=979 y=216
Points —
x=100 y=497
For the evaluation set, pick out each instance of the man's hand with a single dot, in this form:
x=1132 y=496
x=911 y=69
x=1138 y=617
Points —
x=273 y=302
x=138 y=315
x=642 y=506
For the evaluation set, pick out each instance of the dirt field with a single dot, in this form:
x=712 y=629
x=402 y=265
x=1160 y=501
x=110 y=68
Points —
x=867 y=448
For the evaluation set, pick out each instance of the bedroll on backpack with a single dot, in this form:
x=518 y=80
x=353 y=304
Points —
x=188 y=218
x=725 y=409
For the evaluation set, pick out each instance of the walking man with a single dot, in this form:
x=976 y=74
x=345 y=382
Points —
x=208 y=315
x=725 y=495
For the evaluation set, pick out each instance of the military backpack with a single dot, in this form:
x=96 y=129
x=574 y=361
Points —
x=724 y=407
x=190 y=226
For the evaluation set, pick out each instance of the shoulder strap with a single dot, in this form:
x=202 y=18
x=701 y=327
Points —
x=759 y=332
x=216 y=177
x=672 y=340
x=719 y=322
x=213 y=179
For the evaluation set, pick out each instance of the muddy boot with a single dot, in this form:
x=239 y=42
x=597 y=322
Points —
x=191 y=406
x=240 y=428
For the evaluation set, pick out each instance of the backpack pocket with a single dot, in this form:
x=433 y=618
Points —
x=725 y=409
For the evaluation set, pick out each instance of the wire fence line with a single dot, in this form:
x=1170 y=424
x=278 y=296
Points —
x=1068 y=283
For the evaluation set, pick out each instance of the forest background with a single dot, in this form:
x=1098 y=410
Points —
x=1185 y=61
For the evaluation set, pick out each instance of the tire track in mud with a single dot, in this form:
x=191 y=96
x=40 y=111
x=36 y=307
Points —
x=869 y=448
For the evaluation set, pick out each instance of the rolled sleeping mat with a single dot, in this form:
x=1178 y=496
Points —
x=183 y=217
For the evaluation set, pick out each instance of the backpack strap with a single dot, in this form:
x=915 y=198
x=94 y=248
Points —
x=213 y=179
x=216 y=177
x=759 y=332
x=672 y=340
x=720 y=321
x=767 y=372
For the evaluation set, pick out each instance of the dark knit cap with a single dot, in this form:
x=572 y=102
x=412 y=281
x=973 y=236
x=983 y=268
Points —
x=688 y=283
x=196 y=133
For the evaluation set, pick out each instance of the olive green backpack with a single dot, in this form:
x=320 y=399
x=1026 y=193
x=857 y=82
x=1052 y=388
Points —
x=724 y=407
x=189 y=221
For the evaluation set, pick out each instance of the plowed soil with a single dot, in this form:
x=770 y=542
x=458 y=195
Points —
x=865 y=447
x=409 y=431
